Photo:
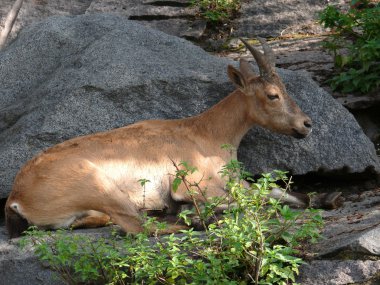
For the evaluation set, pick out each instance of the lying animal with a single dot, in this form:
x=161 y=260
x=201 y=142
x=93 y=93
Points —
x=90 y=180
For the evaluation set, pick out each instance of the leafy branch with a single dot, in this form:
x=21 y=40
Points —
x=255 y=240
x=355 y=44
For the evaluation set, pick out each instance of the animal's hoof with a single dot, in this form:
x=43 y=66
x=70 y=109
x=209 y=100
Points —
x=327 y=200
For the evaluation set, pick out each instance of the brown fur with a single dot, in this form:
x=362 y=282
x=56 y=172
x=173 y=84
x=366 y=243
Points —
x=89 y=180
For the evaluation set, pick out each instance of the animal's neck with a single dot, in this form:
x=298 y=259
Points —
x=226 y=122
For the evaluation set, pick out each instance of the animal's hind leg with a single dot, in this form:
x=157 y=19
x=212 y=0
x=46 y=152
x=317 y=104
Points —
x=123 y=212
x=294 y=199
x=93 y=219
x=134 y=225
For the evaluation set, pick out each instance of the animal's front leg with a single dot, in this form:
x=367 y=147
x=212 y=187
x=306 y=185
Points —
x=300 y=200
x=198 y=217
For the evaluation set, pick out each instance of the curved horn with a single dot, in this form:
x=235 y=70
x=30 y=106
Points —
x=268 y=52
x=265 y=67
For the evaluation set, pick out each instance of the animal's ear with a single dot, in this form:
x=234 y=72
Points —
x=236 y=77
x=246 y=69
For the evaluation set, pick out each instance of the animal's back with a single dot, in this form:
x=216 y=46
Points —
x=67 y=179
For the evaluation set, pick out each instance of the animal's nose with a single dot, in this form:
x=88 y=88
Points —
x=307 y=124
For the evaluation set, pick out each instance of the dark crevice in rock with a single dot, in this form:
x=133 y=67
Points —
x=9 y=118
x=159 y=17
x=2 y=206
x=335 y=181
x=91 y=88
x=43 y=140
x=288 y=65
x=169 y=3
x=348 y=254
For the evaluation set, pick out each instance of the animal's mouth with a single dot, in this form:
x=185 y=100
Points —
x=296 y=134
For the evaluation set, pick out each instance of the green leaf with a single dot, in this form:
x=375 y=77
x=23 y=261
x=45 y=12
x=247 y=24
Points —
x=175 y=184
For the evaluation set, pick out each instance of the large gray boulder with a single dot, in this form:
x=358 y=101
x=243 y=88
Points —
x=69 y=76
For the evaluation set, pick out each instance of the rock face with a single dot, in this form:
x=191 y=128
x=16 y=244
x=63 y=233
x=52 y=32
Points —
x=180 y=18
x=175 y=17
x=22 y=267
x=279 y=17
x=334 y=272
x=349 y=252
x=18 y=267
x=69 y=76
x=353 y=230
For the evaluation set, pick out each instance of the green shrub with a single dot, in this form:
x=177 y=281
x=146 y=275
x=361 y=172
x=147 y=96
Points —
x=217 y=10
x=355 y=43
x=255 y=241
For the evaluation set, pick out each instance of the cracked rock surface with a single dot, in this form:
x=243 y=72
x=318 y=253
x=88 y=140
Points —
x=353 y=229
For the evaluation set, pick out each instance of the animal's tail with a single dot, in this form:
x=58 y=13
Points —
x=14 y=222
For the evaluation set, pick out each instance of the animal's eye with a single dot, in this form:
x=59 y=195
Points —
x=273 y=97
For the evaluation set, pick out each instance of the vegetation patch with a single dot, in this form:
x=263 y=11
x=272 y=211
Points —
x=217 y=11
x=256 y=240
x=355 y=43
